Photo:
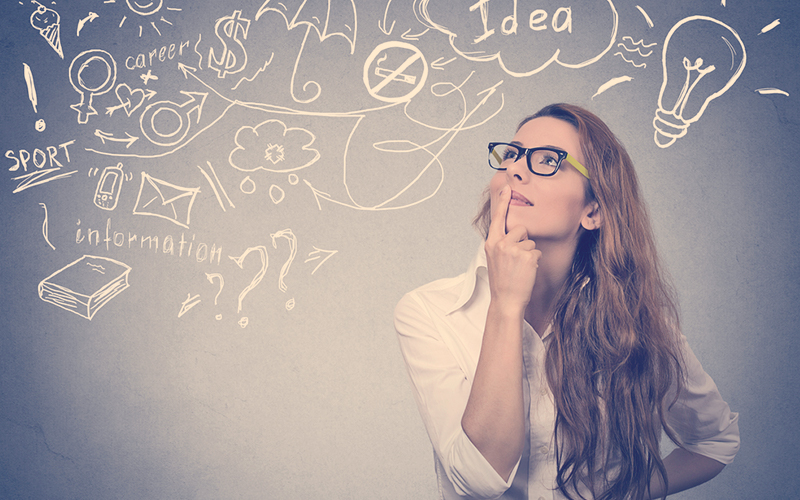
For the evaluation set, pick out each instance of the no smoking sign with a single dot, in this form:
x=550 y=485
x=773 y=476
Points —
x=395 y=72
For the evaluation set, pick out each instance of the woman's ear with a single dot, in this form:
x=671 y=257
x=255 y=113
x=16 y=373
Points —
x=593 y=218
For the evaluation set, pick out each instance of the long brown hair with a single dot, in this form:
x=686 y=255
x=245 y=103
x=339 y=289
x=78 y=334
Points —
x=613 y=360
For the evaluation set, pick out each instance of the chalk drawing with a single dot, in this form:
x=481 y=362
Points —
x=28 y=74
x=188 y=304
x=695 y=73
x=239 y=261
x=774 y=24
x=771 y=91
x=399 y=79
x=317 y=255
x=646 y=17
x=273 y=147
x=129 y=99
x=48 y=23
x=39 y=177
x=145 y=10
x=230 y=31
x=488 y=42
x=86 y=285
x=83 y=75
x=211 y=277
x=165 y=200
x=292 y=239
x=611 y=83
x=174 y=122
x=382 y=25
x=46 y=226
x=260 y=70
x=214 y=187
x=329 y=19
x=81 y=23
x=106 y=194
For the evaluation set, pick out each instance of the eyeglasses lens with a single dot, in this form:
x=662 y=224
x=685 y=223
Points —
x=542 y=161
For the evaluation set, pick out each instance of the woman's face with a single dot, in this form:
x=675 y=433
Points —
x=552 y=209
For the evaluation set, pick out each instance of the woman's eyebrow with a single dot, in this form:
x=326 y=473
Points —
x=550 y=146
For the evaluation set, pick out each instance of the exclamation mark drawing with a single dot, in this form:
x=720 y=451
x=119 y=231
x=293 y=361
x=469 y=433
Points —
x=40 y=125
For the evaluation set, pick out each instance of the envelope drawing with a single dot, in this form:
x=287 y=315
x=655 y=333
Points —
x=162 y=199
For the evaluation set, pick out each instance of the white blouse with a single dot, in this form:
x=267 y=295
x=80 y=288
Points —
x=440 y=327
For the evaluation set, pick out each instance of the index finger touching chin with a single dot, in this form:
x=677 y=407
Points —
x=499 y=212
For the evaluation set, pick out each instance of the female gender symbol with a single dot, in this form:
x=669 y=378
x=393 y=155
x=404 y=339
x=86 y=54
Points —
x=76 y=73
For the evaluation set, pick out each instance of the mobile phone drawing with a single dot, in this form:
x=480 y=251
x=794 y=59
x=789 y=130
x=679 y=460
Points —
x=106 y=195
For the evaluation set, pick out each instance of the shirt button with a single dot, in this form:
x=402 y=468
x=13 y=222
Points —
x=543 y=450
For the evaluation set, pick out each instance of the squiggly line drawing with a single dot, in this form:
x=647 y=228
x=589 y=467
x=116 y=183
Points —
x=643 y=65
x=45 y=226
x=635 y=50
x=199 y=55
x=640 y=42
x=260 y=70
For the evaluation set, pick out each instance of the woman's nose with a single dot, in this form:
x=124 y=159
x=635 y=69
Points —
x=518 y=169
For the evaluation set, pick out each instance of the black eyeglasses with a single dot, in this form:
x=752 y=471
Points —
x=541 y=161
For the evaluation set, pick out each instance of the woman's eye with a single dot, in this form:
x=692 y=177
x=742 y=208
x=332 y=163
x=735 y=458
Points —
x=550 y=160
x=509 y=154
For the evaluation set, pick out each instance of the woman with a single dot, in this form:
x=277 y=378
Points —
x=552 y=366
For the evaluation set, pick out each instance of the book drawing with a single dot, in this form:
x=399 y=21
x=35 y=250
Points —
x=86 y=285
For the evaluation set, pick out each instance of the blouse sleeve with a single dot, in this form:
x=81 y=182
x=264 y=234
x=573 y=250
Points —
x=441 y=389
x=702 y=420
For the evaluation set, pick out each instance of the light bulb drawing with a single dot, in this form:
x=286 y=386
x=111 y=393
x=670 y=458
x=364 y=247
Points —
x=701 y=59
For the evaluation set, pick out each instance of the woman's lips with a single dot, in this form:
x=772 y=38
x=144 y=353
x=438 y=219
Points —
x=519 y=200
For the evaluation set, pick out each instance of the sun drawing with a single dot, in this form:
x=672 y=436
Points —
x=148 y=11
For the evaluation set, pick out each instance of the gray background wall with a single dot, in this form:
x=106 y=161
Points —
x=155 y=398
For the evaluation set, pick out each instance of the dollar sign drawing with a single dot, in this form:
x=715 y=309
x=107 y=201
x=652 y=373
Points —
x=234 y=58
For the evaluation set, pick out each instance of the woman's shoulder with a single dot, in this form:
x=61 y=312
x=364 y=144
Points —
x=440 y=292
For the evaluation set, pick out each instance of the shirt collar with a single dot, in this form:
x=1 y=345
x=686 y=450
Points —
x=477 y=266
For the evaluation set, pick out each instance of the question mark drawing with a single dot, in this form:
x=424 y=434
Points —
x=292 y=239
x=256 y=279
x=210 y=277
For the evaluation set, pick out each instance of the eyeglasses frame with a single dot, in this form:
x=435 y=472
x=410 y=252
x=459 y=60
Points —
x=562 y=155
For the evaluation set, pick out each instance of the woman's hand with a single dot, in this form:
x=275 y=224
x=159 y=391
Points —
x=512 y=259
x=494 y=418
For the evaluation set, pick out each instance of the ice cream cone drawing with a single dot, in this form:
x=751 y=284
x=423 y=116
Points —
x=48 y=22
